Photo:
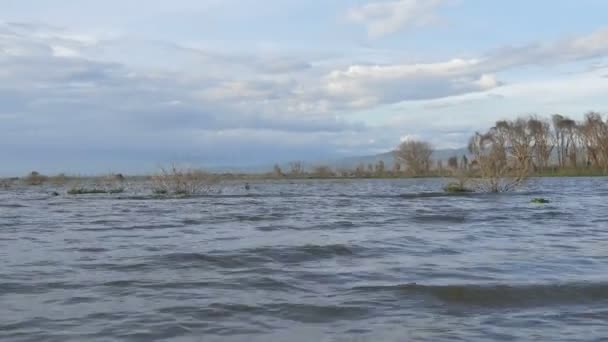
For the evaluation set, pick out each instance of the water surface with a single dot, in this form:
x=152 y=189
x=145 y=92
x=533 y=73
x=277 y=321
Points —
x=362 y=260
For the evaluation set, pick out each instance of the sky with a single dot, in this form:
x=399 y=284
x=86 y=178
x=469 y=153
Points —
x=127 y=86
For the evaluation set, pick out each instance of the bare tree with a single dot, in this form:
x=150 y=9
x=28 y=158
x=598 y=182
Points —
x=276 y=170
x=453 y=163
x=594 y=138
x=543 y=141
x=565 y=131
x=396 y=168
x=323 y=171
x=380 y=168
x=465 y=162
x=360 y=170
x=497 y=170
x=416 y=155
x=296 y=168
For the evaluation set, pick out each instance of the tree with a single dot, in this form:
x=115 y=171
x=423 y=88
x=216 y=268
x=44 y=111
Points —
x=416 y=155
x=396 y=168
x=277 y=171
x=502 y=156
x=296 y=168
x=323 y=171
x=453 y=163
x=565 y=131
x=465 y=162
x=380 y=168
x=360 y=170
x=594 y=137
x=543 y=142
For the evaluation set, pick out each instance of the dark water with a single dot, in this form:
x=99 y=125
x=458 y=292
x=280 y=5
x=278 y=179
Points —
x=307 y=261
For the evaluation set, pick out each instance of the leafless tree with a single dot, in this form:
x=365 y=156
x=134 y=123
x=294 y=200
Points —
x=322 y=171
x=296 y=168
x=465 y=162
x=380 y=168
x=396 y=168
x=565 y=130
x=497 y=169
x=276 y=170
x=543 y=141
x=416 y=155
x=360 y=170
x=453 y=163
x=594 y=137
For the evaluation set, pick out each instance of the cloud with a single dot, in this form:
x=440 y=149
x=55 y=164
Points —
x=364 y=86
x=383 y=18
x=79 y=92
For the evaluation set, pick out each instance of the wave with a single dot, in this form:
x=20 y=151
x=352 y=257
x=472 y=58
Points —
x=502 y=295
x=256 y=256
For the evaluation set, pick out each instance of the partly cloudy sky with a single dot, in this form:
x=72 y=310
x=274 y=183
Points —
x=95 y=86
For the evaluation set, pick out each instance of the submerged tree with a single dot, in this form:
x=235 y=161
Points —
x=502 y=156
x=416 y=155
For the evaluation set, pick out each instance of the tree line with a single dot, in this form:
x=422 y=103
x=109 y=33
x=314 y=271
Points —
x=511 y=149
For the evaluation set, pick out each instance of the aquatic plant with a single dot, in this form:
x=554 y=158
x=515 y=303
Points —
x=455 y=187
x=90 y=191
x=184 y=182
x=540 y=201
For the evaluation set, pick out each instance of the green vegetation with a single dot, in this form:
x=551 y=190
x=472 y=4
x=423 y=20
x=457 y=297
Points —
x=85 y=191
x=540 y=201
x=456 y=188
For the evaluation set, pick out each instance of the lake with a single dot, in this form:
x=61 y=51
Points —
x=338 y=260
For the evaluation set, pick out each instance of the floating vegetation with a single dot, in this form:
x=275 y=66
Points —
x=456 y=188
x=85 y=191
x=540 y=201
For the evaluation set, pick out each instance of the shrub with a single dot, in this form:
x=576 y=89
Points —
x=35 y=178
x=183 y=182
x=456 y=188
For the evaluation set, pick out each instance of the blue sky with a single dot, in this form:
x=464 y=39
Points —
x=98 y=86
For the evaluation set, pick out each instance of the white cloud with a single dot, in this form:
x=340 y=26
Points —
x=383 y=18
x=101 y=97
